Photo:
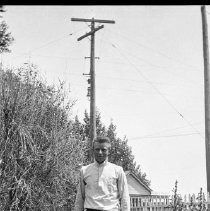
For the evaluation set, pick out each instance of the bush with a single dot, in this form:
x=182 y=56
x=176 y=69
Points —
x=39 y=152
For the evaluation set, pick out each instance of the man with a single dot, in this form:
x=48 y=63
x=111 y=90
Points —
x=103 y=185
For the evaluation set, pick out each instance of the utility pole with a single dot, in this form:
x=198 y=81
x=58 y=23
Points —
x=92 y=71
x=207 y=96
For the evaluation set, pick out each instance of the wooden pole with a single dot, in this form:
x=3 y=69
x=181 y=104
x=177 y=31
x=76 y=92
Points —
x=92 y=73
x=207 y=95
x=92 y=87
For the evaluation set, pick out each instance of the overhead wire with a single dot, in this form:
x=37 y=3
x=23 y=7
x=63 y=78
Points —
x=58 y=57
x=49 y=43
x=42 y=46
x=177 y=128
x=164 y=136
x=181 y=115
x=158 y=134
x=153 y=50
x=155 y=66
x=143 y=60
x=157 y=90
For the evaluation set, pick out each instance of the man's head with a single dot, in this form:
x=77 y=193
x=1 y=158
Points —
x=101 y=147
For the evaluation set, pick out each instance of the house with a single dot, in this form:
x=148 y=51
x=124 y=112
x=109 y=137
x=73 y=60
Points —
x=136 y=187
x=141 y=196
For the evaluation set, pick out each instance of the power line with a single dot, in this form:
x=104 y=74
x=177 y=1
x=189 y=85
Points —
x=49 y=43
x=168 y=130
x=143 y=60
x=58 y=57
x=155 y=66
x=158 y=91
x=164 y=136
x=153 y=50
x=42 y=46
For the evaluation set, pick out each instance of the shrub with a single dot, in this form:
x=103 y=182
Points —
x=39 y=152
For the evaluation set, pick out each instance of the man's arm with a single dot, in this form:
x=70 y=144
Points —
x=80 y=197
x=123 y=191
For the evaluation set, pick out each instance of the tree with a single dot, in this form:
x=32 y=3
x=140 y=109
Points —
x=121 y=154
x=39 y=152
x=85 y=128
x=176 y=203
x=5 y=37
x=1 y=9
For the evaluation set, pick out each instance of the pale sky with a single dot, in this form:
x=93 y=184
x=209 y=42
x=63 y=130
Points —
x=149 y=78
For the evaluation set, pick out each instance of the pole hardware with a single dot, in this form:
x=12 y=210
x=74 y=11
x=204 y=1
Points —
x=91 y=32
x=87 y=57
x=92 y=20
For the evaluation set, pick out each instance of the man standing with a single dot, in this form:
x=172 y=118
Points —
x=102 y=185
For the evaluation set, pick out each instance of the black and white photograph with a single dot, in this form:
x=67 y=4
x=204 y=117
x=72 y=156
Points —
x=104 y=108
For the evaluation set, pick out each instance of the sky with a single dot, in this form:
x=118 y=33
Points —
x=149 y=78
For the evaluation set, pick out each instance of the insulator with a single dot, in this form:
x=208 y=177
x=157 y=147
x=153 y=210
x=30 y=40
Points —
x=88 y=94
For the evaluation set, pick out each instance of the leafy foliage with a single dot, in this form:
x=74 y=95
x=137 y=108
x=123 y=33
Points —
x=194 y=204
x=39 y=152
x=5 y=37
x=1 y=9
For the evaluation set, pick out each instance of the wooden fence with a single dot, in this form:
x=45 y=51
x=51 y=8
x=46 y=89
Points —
x=166 y=203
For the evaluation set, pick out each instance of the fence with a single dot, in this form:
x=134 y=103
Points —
x=167 y=203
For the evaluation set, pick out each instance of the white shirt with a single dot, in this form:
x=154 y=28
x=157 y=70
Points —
x=102 y=186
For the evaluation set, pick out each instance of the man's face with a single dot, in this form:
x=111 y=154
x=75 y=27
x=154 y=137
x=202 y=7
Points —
x=101 y=151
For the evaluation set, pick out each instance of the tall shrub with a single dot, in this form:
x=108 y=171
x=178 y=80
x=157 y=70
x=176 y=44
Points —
x=39 y=153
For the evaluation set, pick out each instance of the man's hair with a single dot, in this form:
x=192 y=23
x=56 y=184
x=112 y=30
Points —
x=102 y=139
